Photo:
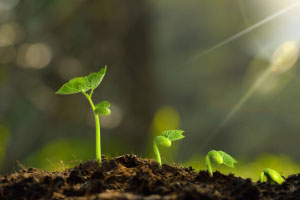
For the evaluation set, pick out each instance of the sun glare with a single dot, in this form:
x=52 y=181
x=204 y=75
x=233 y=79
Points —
x=285 y=56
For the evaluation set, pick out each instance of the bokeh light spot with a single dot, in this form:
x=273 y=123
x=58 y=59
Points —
x=108 y=122
x=7 y=35
x=114 y=119
x=35 y=56
x=166 y=118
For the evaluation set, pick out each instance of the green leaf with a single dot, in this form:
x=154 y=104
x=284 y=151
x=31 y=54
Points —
x=74 y=86
x=83 y=84
x=94 y=79
x=227 y=159
x=173 y=134
x=102 y=108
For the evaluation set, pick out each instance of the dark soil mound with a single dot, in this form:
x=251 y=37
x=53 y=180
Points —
x=130 y=177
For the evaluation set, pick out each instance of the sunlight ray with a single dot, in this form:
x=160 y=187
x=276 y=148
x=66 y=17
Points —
x=238 y=105
x=283 y=59
x=239 y=34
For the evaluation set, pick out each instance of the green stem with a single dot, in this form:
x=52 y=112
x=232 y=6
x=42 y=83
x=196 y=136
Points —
x=97 y=125
x=91 y=93
x=262 y=177
x=208 y=164
x=156 y=152
x=98 y=141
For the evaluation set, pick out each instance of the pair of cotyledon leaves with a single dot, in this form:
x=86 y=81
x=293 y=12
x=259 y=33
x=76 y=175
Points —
x=102 y=108
x=84 y=84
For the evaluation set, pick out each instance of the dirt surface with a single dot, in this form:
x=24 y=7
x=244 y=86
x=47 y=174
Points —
x=130 y=177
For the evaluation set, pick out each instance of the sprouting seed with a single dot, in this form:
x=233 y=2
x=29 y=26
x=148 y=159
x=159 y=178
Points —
x=220 y=157
x=272 y=176
x=165 y=139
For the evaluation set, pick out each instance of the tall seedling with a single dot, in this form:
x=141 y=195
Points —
x=84 y=85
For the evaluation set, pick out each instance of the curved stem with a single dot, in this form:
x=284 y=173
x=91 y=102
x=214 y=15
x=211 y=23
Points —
x=97 y=125
x=208 y=164
x=262 y=177
x=156 y=152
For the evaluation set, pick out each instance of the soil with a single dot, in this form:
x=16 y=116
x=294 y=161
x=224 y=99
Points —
x=129 y=177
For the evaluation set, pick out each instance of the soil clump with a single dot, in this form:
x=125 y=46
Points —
x=131 y=178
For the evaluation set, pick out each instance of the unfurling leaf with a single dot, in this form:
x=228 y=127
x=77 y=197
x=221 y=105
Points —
x=227 y=159
x=173 y=134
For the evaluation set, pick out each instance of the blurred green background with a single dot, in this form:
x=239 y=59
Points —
x=242 y=97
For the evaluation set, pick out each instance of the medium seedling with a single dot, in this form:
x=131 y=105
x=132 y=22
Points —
x=272 y=176
x=83 y=85
x=165 y=139
x=220 y=157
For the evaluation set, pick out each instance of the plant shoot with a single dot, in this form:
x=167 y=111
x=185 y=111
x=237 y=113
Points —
x=165 y=139
x=272 y=176
x=86 y=85
x=220 y=157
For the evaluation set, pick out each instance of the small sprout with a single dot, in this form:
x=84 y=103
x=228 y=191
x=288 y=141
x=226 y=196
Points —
x=272 y=176
x=220 y=157
x=83 y=85
x=102 y=108
x=165 y=139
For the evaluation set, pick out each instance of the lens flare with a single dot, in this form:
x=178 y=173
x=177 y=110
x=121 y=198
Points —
x=285 y=57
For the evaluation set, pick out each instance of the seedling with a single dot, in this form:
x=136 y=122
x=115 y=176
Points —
x=165 y=139
x=220 y=157
x=272 y=176
x=83 y=85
